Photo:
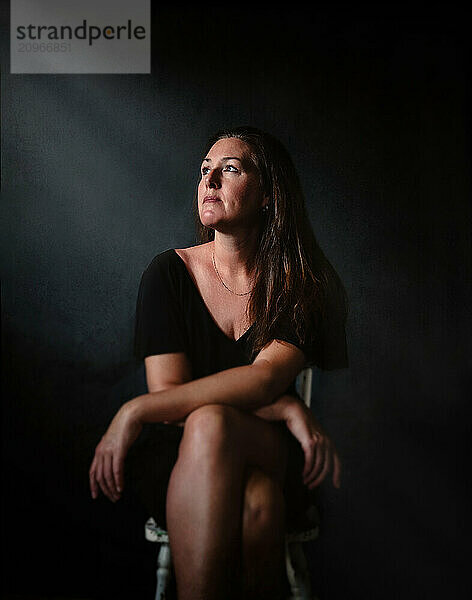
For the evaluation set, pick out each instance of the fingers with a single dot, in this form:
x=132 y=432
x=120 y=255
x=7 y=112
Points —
x=320 y=453
x=326 y=459
x=106 y=475
x=326 y=467
x=108 y=480
x=310 y=456
x=118 y=473
x=92 y=480
x=101 y=478
x=336 y=471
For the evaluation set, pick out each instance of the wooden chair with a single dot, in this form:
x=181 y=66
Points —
x=297 y=568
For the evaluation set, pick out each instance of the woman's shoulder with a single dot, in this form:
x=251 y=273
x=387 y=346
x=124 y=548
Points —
x=164 y=273
x=195 y=258
x=194 y=253
x=162 y=261
x=175 y=260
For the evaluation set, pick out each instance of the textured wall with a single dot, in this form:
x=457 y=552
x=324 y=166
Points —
x=98 y=177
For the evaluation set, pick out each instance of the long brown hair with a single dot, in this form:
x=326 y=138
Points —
x=294 y=282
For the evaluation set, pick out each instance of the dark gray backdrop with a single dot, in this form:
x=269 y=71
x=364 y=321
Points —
x=98 y=176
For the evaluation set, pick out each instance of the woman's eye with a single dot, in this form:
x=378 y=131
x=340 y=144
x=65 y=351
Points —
x=228 y=168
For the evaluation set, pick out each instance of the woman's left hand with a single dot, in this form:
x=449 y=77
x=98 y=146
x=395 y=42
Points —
x=320 y=453
x=107 y=468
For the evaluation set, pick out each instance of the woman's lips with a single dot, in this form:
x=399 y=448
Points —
x=211 y=199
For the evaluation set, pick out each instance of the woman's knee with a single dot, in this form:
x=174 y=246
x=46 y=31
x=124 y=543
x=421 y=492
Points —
x=222 y=432
x=209 y=429
x=264 y=506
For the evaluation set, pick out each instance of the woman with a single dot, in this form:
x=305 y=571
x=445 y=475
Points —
x=224 y=328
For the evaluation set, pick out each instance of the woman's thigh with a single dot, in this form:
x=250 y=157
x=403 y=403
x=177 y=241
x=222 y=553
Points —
x=258 y=443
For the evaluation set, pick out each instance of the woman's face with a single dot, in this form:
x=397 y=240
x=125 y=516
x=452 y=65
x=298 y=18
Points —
x=229 y=192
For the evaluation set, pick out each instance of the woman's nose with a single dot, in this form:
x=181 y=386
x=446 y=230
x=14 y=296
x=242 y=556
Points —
x=212 y=179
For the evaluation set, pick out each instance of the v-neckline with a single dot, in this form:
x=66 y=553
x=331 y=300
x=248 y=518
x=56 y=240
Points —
x=207 y=310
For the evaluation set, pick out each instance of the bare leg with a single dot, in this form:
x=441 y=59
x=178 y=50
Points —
x=206 y=495
x=263 y=537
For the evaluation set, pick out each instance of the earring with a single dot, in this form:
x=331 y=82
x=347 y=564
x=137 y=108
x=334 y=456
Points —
x=265 y=208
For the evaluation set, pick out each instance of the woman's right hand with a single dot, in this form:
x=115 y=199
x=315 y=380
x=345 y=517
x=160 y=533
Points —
x=107 y=468
x=320 y=453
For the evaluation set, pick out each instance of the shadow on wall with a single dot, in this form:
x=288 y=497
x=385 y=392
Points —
x=55 y=412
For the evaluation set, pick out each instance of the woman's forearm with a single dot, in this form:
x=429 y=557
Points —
x=248 y=388
x=277 y=410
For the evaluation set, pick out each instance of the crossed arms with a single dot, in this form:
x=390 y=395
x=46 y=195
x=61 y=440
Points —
x=258 y=388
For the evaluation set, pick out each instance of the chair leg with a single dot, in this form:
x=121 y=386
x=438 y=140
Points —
x=297 y=571
x=164 y=561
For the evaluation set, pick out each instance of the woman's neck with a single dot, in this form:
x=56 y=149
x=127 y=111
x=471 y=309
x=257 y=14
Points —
x=234 y=255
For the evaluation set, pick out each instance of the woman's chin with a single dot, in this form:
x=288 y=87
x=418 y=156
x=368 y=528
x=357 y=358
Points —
x=209 y=219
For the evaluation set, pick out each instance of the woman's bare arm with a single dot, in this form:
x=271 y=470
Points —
x=320 y=452
x=248 y=387
x=164 y=371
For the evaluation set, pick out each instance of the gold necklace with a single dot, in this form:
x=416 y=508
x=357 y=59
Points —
x=222 y=282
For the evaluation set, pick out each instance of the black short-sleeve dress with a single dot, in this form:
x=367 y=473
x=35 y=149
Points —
x=171 y=316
